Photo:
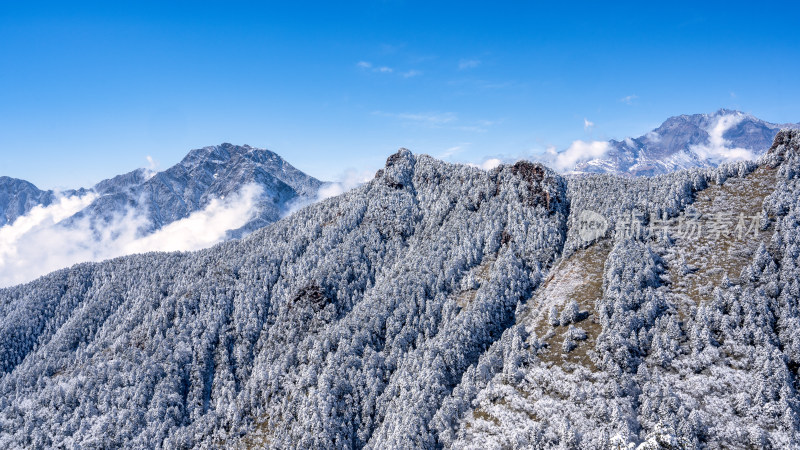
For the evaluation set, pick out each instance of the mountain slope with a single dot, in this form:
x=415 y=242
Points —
x=213 y=194
x=415 y=312
x=18 y=197
x=699 y=346
x=685 y=142
x=202 y=176
x=344 y=302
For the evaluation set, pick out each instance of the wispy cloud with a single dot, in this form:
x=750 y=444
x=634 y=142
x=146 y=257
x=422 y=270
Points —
x=38 y=217
x=370 y=67
x=39 y=243
x=151 y=163
x=587 y=124
x=431 y=118
x=447 y=120
x=346 y=181
x=653 y=136
x=452 y=151
x=718 y=149
x=152 y=167
x=468 y=64
x=202 y=228
x=366 y=65
x=428 y=118
x=628 y=99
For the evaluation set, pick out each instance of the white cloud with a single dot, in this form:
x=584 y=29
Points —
x=151 y=163
x=718 y=149
x=152 y=166
x=38 y=217
x=468 y=64
x=350 y=179
x=450 y=152
x=578 y=151
x=202 y=228
x=587 y=124
x=628 y=99
x=490 y=163
x=38 y=243
x=347 y=180
x=366 y=65
x=652 y=136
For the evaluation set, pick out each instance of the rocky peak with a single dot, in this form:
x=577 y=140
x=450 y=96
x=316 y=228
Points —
x=787 y=140
x=399 y=169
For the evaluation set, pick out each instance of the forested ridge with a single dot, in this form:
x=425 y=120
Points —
x=403 y=314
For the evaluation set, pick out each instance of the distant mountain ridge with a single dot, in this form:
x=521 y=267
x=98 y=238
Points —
x=18 y=197
x=213 y=194
x=685 y=142
x=203 y=175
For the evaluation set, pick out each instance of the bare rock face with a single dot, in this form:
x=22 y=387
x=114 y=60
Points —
x=540 y=184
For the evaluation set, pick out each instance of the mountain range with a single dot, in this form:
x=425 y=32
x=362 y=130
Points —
x=163 y=197
x=18 y=197
x=240 y=189
x=681 y=142
x=214 y=194
x=437 y=306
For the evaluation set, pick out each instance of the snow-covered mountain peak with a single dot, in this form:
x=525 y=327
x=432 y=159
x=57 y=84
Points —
x=680 y=142
x=218 y=192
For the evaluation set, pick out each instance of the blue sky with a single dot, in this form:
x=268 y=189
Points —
x=88 y=91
